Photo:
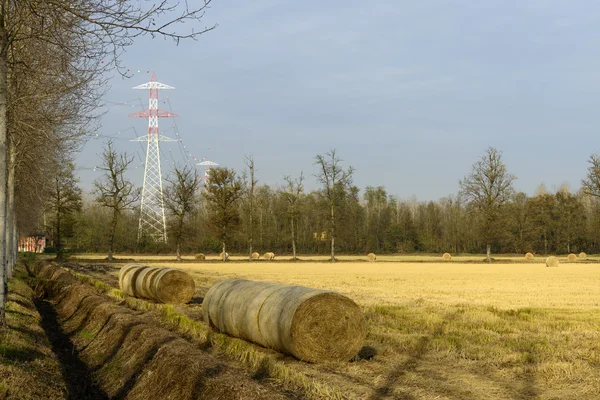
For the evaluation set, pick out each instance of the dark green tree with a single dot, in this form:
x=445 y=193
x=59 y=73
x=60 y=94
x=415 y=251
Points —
x=64 y=200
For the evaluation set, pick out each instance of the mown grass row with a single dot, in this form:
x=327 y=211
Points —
x=235 y=349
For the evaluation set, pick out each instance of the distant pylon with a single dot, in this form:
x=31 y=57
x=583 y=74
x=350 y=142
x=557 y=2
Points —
x=207 y=166
x=152 y=212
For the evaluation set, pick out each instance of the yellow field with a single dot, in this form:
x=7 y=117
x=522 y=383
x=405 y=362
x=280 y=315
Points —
x=451 y=330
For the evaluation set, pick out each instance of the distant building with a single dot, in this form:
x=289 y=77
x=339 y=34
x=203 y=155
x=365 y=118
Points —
x=35 y=243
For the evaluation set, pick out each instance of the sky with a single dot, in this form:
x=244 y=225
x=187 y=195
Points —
x=409 y=93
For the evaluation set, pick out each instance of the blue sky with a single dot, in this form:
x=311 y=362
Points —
x=409 y=93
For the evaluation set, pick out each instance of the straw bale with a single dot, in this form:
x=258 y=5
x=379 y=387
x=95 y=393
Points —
x=552 y=261
x=447 y=256
x=372 y=257
x=200 y=256
x=582 y=255
x=310 y=324
x=268 y=256
x=255 y=256
x=226 y=256
x=165 y=285
x=529 y=256
x=572 y=257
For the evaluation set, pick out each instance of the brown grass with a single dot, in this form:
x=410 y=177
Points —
x=28 y=367
x=447 y=331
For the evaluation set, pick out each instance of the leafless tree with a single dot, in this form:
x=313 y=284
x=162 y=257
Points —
x=335 y=181
x=292 y=192
x=180 y=199
x=86 y=39
x=487 y=189
x=250 y=185
x=113 y=190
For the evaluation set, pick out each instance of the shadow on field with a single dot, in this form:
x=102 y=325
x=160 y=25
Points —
x=410 y=365
x=75 y=373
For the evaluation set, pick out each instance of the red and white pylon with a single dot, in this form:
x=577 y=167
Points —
x=152 y=213
x=207 y=166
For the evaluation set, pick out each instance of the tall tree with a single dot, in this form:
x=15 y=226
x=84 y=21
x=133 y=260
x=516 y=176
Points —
x=180 y=199
x=335 y=181
x=292 y=191
x=222 y=192
x=250 y=184
x=64 y=200
x=113 y=190
x=591 y=183
x=488 y=188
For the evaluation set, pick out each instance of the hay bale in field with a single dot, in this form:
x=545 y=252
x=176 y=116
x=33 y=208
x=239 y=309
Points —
x=165 y=285
x=572 y=257
x=255 y=256
x=552 y=261
x=582 y=255
x=529 y=256
x=200 y=256
x=310 y=324
x=372 y=257
x=268 y=256
x=221 y=256
x=447 y=256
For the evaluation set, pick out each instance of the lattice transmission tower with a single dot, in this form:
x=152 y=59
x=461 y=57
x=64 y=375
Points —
x=152 y=213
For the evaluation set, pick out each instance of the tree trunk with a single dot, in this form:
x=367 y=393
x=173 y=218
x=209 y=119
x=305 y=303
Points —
x=293 y=241
x=224 y=253
x=59 y=252
x=178 y=253
x=489 y=251
x=111 y=235
x=3 y=132
x=332 y=233
x=10 y=213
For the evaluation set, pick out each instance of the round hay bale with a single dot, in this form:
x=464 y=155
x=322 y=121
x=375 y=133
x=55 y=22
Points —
x=200 y=256
x=310 y=324
x=272 y=256
x=221 y=256
x=165 y=285
x=268 y=256
x=372 y=257
x=529 y=256
x=255 y=256
x=572 y=257
x=552 y=261
x=582 y=255
x=447 y=256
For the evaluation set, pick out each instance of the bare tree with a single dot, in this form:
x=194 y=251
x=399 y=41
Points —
x=488 y=188
x=335 y=181
x=591 y=184
x=222 y=193
x=113 y=190
x=250 y=184
x=180 y=199
x=86 y=39
x=292 y=192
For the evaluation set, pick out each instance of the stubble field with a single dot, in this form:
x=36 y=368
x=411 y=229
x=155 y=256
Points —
x=449 y=330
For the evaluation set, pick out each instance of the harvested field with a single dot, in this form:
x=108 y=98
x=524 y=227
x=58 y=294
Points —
x=444 y=330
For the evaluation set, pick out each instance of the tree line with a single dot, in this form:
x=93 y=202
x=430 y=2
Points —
x=234 y=212
x=55 y=61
